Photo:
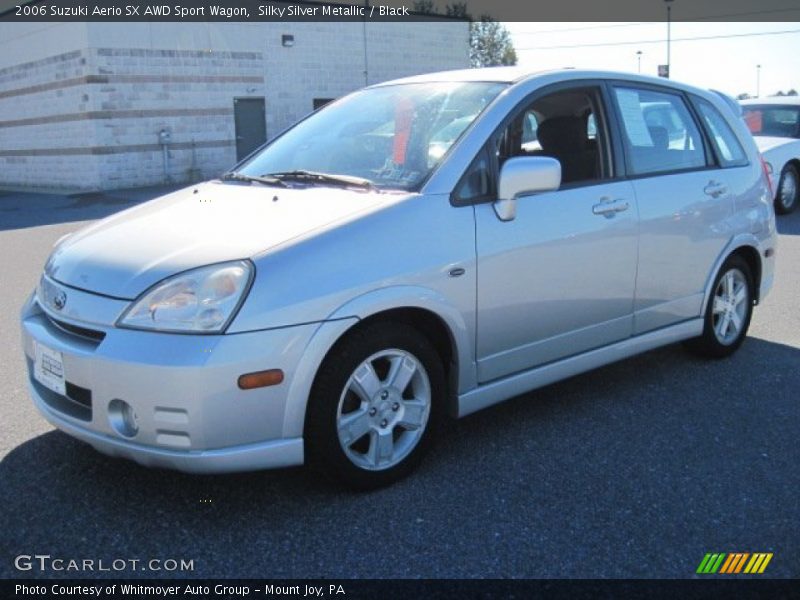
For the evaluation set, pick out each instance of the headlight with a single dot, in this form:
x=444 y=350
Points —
x=202 y=300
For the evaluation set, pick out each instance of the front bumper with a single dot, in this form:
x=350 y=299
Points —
x=191 y=414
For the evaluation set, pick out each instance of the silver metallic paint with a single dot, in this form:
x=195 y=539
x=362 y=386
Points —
x=552 y=293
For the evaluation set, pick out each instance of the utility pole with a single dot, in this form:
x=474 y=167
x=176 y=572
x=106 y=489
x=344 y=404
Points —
x=366 y=60
x=758 y=81
x=639 y=59
x=669 y=34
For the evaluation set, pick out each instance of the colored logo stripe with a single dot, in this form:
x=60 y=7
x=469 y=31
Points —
x=710 y=563
x=734 y=562
x=758 y=563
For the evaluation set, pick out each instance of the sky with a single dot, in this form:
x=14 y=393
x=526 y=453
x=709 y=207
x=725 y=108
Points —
x=726 y=64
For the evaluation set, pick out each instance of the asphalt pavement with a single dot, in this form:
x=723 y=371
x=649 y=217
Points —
x=634 y=470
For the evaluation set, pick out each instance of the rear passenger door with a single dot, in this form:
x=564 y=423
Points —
x=684 y=200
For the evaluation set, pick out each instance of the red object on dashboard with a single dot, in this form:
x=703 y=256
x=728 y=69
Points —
x=402 y=130
x=753 y=120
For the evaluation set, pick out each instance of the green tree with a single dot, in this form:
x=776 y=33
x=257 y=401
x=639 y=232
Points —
x=457 y=9
x=425 y=7
x=490 y=44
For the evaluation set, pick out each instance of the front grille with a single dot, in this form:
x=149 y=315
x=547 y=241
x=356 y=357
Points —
x=89 y=334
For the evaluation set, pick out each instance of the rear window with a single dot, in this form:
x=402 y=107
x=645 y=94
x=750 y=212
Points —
x=776 y=121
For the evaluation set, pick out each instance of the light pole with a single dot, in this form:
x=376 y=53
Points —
x=639 y=61
x=669 y=33
x=758 y=81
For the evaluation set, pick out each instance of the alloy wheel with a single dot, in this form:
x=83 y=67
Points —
x=383 y=409
x=729 y=311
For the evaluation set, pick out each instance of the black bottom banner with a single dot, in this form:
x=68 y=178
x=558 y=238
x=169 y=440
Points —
x=385 y=589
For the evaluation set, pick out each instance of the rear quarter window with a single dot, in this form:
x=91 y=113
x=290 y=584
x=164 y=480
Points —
x=729 y=150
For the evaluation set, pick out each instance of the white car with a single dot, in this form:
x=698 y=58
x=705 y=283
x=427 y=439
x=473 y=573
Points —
x=775 y=124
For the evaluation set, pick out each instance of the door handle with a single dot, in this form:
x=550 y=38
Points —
x=608 y=208
x=715 y=189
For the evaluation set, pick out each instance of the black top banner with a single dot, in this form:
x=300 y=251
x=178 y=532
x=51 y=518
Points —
x=398 y=10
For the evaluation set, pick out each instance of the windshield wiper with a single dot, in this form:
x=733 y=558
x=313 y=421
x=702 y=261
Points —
x=316 y=177
x=266 y=180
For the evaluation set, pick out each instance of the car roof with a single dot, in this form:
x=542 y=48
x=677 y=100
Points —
x=787 y=100
x=490 y=74
x=516 y=74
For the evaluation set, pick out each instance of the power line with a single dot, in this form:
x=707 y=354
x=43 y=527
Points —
x=689 y=39
x=583 y=28
x=641 y=23
x=747 y=14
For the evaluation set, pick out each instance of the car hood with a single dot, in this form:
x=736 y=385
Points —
x=125 y=254
x=766 y=142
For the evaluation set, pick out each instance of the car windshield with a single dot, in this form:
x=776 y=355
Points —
x=391 y=137
x=777 y=120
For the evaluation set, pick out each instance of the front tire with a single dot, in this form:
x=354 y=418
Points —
x=788 y=189
x=729 y=311
x=374 y=406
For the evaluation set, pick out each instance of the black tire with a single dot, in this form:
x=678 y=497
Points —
x=710 y=344
x=785 y=203
x=323 y=450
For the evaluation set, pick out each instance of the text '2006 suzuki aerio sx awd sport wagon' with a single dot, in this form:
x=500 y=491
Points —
x=422 y=247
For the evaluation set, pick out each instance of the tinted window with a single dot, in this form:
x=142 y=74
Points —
x=659 y=132
x=778 y=121
x=476 y=184
x=728 y=148
x=560 y=125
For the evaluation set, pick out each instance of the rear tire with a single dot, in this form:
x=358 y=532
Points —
x=728 y=312
x=786 y=199
x=375 y=406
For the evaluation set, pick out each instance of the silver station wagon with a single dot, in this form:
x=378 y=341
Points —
x=421 y=248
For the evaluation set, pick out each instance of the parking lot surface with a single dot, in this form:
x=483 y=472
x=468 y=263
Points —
x=633 y=470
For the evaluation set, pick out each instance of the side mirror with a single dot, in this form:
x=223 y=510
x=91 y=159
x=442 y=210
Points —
x=523 y=176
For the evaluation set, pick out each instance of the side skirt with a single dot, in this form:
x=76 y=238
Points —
x=514 y=385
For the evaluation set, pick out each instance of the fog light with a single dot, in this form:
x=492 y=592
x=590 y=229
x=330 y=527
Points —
x=123 y=418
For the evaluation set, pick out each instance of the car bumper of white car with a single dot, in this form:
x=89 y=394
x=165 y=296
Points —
x=184 y=409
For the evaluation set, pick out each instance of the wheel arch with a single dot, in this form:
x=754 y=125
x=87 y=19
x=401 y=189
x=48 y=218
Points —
x=423 y=309
x=748 y=248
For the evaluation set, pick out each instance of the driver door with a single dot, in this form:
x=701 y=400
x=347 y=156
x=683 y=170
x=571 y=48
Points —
x=558 y=279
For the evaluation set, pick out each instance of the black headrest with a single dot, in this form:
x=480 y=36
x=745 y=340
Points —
x=660 y=137
x=562 y=134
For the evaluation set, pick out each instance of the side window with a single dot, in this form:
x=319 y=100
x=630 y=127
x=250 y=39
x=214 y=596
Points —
x=561 y=125
x=660 y=134
x=725 y=141
x=591 y=127
x=476 y=184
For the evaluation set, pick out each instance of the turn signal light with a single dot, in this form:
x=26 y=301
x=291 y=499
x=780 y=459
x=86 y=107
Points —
x=249 y=381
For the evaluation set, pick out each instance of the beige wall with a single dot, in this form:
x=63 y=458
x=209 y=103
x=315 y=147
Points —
x=81 y=104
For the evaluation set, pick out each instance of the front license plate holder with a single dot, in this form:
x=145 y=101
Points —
x=48 y=368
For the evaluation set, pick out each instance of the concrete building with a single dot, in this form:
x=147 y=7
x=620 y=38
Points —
x=89 y=106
